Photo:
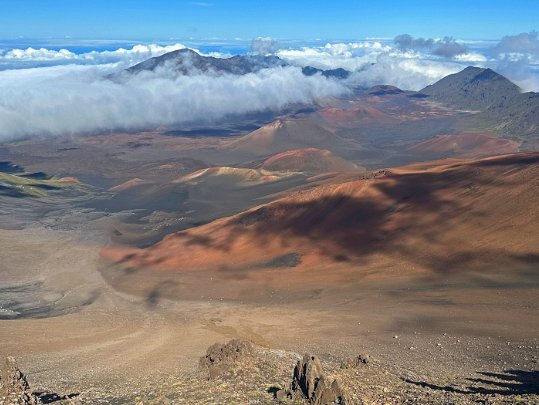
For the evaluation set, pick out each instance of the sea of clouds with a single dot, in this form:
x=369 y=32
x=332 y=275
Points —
x=80 y=99
x=59 y=91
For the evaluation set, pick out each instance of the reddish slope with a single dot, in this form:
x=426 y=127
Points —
x=288 y=134
x=354 y=117
x=311 y=160
x=238 y=175
x=466 y=145
x=129 y=184
x=461 y=216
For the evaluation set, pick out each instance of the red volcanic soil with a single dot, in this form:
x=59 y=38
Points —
x=308 y=160
x=454 y=217
x=352 y=117
x=240 y=174
x=288 y=134
x=69 y=180
x=467 y=145
x=128 y=184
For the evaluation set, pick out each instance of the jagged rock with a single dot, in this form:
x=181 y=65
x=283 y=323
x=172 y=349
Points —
x=326 y=393
x=14 y=387
x=307 y=374
x=356 y=361
x=309 y=382
x=220 y=357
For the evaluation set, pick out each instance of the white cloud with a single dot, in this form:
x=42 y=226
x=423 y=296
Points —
x=521 y=46
x=39 y=54
x=73 y=97
x=136 y=54
x=404 y=72
x=517 y=57
x=79 y=100
x=264 y=46
x=470 y=57
x=376 y=62
x=350 y=56
x=446 y=47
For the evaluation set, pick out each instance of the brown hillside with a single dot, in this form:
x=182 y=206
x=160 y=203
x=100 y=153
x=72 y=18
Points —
x=311 y=160
x=467 y=145
x=463 y=215
x=354 y=117
x=288 y=134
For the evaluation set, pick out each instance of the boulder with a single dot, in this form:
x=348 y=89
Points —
x=310 y=383
x=356 y=361
x=14 y=387
x=220 y=357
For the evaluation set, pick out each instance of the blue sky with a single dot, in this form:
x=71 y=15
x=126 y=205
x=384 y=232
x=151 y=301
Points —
x=299 y=19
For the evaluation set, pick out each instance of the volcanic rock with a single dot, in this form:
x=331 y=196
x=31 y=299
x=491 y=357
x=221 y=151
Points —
x=310 y=383
x=14 y=387
x=356 y=361
x=220 y=357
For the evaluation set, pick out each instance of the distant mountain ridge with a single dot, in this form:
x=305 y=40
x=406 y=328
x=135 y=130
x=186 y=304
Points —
x=186 y=61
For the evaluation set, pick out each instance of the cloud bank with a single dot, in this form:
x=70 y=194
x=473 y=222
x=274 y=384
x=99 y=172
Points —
x=264 y=46
x=521 y=46
x=78 y=99
x=517 y=57
x=403 y=72
x=375 y=62
x=31 y=57
x=412 y=63
x=57 y=91
x=446 y=47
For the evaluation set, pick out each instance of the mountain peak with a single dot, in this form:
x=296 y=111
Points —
x=185 y=61
x=474 y=69
x=473 y=88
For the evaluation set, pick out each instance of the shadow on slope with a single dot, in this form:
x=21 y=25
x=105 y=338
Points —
x=446 y=219
x=509 y=382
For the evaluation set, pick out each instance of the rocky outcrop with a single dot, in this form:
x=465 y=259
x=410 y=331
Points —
x=220 y=357
x=14 y=387
x=310 y=383
x=356 y=361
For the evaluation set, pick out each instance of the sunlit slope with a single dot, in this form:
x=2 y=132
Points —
x=452 y=216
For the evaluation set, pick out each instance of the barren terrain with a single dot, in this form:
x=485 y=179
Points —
x=330 y=231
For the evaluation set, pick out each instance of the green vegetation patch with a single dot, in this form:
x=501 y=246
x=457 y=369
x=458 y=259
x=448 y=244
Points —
x=17 y=186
